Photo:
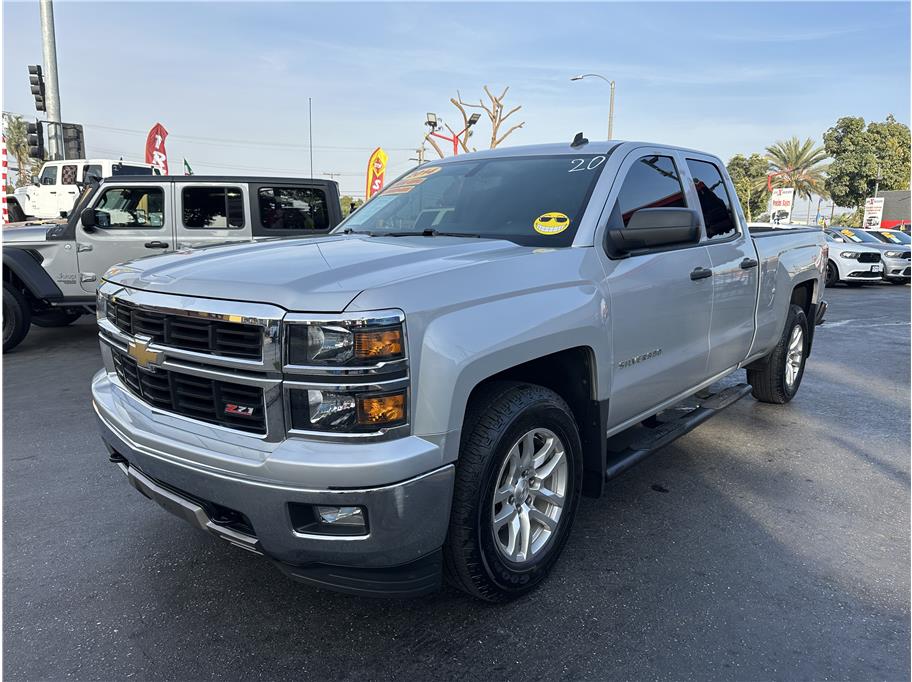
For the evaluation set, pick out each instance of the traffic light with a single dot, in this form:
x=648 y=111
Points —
x=36 y=80
x=35 y=134
x=73 y=141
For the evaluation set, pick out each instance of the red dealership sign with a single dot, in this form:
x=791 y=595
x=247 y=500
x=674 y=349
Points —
x=155 y=148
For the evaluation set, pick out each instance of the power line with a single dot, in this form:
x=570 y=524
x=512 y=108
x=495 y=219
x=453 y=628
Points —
x=232 y=142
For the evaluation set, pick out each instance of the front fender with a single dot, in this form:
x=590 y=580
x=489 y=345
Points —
x=29 y=271
x=460 y=348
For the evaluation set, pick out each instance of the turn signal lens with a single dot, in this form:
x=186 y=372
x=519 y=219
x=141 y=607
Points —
x=382 y=344
x=386 y=410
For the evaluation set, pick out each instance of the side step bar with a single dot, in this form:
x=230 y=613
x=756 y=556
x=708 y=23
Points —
x=664 y=433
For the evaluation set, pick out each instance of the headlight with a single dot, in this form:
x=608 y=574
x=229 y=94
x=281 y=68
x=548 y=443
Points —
x=893 y=254
x=346 y=412
x=850 y=254
x=344 y=342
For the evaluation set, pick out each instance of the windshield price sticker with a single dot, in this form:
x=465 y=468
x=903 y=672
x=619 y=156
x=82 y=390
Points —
x=577 y=165
x=412 y=180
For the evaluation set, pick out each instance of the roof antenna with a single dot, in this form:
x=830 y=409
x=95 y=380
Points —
x=579 y=140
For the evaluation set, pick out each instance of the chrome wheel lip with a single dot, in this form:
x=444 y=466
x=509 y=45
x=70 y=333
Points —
x=794 y=356
x=536 y=468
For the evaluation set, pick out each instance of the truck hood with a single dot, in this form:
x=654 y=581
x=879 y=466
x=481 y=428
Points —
x=309 y=275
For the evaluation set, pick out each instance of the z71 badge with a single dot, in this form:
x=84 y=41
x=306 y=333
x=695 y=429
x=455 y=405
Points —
x=241 y=410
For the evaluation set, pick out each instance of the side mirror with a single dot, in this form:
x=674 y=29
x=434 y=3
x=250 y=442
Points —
x=650 y=228
x=36 y=182
x=88 y=217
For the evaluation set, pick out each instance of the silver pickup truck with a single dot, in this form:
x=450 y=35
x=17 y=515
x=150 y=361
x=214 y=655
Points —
x=429 y=390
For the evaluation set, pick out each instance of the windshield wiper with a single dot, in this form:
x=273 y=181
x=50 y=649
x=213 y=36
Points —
x=430 y=233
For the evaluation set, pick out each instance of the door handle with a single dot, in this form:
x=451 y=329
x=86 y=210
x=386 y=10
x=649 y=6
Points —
x=749 y=263
x=701 y=273
x=156 y=245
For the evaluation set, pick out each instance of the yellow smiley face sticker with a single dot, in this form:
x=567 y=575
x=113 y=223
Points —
x=551 y=223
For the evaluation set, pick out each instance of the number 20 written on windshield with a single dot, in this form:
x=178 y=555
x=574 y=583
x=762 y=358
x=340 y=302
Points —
x=581 y=165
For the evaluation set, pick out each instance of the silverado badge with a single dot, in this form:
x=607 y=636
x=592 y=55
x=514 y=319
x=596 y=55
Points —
x=139 y=351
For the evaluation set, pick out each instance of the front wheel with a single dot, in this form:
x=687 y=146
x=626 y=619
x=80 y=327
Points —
x=832 y=274
x=776 y=378
x=518 y=481
x=17 y=317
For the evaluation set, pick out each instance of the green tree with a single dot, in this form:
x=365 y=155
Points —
x=850 y=219
x=348 y=203
x=858 y=152
x=749 y=177
x=800 y=166
x=16 y=134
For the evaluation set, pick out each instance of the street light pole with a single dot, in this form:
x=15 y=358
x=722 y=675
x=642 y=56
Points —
x=52 y=89
x=611 y=100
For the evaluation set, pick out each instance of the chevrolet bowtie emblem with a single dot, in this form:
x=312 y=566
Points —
x=139 y=351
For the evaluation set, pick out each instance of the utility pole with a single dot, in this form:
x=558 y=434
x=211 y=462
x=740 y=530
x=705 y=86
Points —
x=877 y=181
x=420 y=156
x=49 y=43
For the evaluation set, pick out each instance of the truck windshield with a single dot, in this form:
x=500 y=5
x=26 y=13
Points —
x=530 y=200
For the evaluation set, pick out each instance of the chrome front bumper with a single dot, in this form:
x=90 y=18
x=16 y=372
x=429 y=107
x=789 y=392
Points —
x=178 y=462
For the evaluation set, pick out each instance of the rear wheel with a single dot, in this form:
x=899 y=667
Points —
x=832 y=274
x=518 y=481
x=16 y=317
x=776 y=378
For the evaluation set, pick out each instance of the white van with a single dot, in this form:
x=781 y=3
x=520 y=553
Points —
x=55 y=189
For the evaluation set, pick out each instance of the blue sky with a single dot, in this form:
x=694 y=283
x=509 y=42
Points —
x=724 y=77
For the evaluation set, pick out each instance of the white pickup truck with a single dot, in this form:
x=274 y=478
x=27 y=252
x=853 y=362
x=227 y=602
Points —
x=57 y=187
x=430 y=388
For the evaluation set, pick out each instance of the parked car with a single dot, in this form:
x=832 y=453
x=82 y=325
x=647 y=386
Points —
x=50 y=273
x=58 y=185
x=896 y=258
x=432 y=386
x=852 y=263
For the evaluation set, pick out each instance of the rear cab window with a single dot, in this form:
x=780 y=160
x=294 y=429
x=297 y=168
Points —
x=292 y=209
x=212 y=207
x=715 y=203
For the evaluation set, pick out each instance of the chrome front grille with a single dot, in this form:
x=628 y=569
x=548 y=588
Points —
x=209 y=400
x=200 y=334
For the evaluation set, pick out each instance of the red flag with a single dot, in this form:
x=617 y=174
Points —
x=155 y=148
x=376 y=170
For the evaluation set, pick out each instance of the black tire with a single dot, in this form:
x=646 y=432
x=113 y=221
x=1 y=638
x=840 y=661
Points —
x=55 y=318
x=17 y=316
x=832 y=274
x=767 y=377
x=500 y=414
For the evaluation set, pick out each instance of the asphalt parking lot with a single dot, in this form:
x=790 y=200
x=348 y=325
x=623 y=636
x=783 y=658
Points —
x=770 y=543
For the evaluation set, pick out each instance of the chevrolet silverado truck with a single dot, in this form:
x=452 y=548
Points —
x=429 y=390
x=50 y=272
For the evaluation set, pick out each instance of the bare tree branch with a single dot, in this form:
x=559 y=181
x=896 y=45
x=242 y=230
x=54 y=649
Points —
x=428 y=138
x=503 y=137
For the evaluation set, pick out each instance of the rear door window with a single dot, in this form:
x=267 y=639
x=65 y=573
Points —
x=68 y=174
x=213 y=207
x=651 y=182
x=300 y=209
x=715 y=204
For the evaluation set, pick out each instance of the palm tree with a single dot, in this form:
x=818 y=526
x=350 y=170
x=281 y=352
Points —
x=16 y=134
x=800 y=166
